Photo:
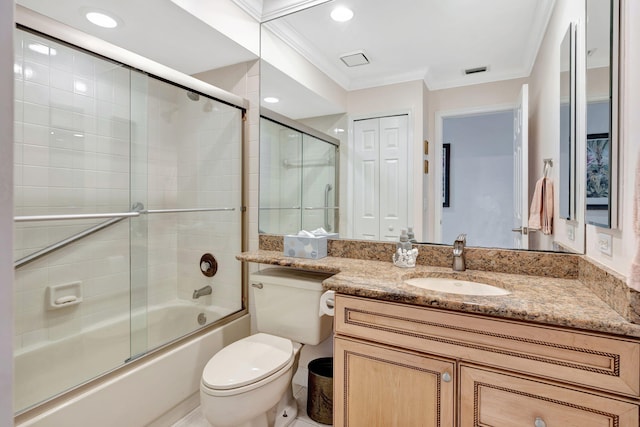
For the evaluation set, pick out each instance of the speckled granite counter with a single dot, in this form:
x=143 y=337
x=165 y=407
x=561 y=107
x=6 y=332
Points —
x=546 y=300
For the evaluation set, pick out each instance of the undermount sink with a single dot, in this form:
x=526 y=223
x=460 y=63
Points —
x=455 y=286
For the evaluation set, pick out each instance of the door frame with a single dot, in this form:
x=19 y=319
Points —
x=434 y=230
x=348 y=153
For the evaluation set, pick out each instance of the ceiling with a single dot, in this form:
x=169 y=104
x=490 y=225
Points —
x=434 y=40
x=156 y=29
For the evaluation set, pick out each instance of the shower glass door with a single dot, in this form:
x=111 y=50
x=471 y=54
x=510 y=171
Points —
x=122 y=182
x=298 y=181
x=319 y=184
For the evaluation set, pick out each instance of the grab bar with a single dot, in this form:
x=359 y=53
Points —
x=297 y=208
x=155 y=211
x=121 y=215
x=62 y=243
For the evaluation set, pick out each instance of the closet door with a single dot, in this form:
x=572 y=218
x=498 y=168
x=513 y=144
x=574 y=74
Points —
x=366 y=185
x=380 y=178
x=393 y=177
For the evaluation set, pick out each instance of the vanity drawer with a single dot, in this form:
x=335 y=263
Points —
x=592 y=360
x=489 y=398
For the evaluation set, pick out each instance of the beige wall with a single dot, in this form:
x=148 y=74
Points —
x=544 y=121
x=624 y=240
x=392 y=99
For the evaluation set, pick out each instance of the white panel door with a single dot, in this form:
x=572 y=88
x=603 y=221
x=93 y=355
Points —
x=393 y=177
x=521 y=171
x=366 y=185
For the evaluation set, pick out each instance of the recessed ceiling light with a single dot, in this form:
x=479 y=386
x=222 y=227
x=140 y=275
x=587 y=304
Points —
x=102 y=20
x=271 y=100
x=341 y=14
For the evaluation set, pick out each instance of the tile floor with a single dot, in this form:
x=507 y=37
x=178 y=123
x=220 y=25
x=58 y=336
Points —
x=196 y=419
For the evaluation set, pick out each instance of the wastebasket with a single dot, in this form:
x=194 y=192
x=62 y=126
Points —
x=320 y=390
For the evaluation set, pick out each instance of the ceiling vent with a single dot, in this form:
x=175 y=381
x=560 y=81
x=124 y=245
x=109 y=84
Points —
x=475 y=70
x=354 y=59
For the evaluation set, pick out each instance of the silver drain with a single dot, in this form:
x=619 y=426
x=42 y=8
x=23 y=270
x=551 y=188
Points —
x=202 y=319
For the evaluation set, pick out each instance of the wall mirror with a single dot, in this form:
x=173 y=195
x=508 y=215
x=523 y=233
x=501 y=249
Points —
x=602 y=112
x=333 y=75
x=567 y=139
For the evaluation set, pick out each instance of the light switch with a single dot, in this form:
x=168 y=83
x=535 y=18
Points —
x=604 y=243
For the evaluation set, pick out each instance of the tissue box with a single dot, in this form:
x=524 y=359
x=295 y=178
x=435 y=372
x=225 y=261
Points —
x=305 y=247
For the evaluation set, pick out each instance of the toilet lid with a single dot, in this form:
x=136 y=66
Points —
x=247 y=361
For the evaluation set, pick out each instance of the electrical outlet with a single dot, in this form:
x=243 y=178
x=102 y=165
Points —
x=604 y=243
x=571 y=232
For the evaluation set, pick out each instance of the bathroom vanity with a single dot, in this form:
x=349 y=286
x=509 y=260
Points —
x=401 y=365
x=550 y=352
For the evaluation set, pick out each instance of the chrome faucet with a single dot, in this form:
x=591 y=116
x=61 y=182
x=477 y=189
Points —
x=202 y=292
x=458 y=253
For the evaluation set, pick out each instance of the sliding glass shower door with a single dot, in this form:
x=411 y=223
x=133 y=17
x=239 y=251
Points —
x=122 y=183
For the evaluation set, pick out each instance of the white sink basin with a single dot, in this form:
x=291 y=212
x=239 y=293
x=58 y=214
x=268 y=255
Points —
x=455 y=286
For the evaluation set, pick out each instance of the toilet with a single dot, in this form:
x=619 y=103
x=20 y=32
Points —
x=248 y=383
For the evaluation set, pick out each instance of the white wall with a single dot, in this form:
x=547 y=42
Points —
x=624 y=240
x=6 y=212
x=544 y=120
x=481 y=179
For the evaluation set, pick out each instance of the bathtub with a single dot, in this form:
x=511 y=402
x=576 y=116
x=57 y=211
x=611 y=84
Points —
x=47 y=369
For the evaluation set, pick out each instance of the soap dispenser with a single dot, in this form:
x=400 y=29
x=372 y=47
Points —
x=405 y=255
x=404 y=244
x=412 y=236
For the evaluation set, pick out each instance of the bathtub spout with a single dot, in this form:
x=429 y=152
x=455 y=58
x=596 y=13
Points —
x=202 y=292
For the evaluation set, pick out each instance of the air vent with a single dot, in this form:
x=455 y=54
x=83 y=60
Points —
x=354 y=59
x=475 y=70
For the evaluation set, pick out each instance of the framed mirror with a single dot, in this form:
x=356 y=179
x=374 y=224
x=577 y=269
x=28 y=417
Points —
x=602 y=112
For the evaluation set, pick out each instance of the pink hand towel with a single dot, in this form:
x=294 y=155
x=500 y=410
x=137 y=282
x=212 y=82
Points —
x=535 y=217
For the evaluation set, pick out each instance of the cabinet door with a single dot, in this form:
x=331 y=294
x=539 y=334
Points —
x=490 y=398
x=377 y=386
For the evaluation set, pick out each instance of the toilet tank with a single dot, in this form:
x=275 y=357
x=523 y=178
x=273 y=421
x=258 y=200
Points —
x=287 y=304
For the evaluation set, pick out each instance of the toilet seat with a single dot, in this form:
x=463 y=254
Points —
x=246 y=362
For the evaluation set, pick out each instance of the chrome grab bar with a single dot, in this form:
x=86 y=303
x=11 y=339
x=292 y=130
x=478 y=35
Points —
x=155 y=211
x=62 y=243
x=280 y=209
x=320 y=208
x=31 y=218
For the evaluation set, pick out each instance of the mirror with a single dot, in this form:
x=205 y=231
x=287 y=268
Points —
x=601 y=85
x=459 y=63
x=567 y=162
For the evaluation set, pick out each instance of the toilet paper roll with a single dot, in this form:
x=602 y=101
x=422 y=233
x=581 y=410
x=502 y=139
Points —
x=327 y=302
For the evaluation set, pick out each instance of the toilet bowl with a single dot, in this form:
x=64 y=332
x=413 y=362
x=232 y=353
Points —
x=248 y=383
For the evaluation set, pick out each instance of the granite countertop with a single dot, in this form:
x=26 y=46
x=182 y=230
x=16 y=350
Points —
x=544 y=300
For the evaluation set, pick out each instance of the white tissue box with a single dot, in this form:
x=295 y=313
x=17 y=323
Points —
x=305 y=247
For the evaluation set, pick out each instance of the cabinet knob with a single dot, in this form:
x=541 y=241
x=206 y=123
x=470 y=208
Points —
x=446 y=377
x=539 y=422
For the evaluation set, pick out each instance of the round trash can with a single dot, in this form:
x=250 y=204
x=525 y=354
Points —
x=320 y=390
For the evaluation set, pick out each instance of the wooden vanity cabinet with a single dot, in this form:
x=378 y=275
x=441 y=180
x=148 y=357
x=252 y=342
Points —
x=397 y=365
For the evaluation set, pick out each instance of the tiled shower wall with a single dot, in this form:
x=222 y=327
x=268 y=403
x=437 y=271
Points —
x=71 y=156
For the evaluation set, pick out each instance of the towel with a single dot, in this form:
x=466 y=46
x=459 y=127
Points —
x=634 y=275
x=541 y=210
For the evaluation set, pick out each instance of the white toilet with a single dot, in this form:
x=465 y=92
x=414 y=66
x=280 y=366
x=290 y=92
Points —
x=248 y=383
